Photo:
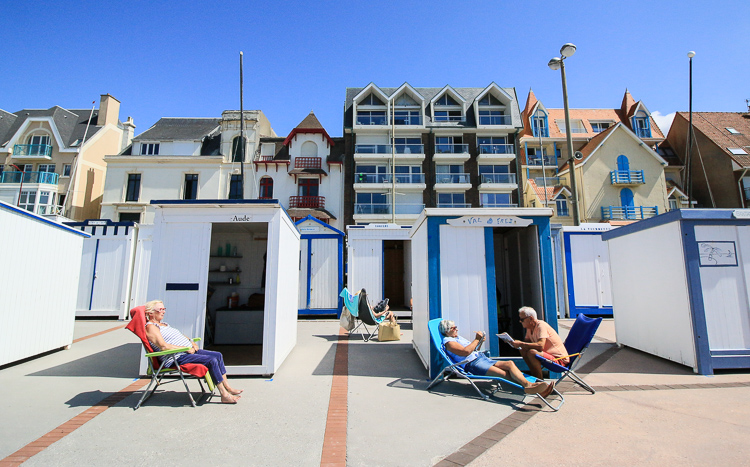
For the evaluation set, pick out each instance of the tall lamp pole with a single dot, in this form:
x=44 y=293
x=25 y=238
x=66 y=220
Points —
x=689 y=157
x=242 y=136
x=558 y=63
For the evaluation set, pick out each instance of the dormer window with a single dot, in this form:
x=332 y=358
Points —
x=490 y=100
x=149 y=149
x=641 y=126
x=576 y=126
x=539 y=124
x=598 y=127
x=492 y=111
x=446 y=109
x=371 y=99
x=406 y=111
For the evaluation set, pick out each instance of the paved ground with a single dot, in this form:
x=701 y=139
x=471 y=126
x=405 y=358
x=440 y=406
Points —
x=647 y=411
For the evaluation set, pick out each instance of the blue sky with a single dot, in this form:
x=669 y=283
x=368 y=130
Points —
x=181 y=59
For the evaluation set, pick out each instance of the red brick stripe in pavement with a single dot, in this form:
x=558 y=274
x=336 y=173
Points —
x=98 y=333
x=334 y=440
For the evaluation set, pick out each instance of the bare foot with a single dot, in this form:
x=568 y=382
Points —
x=230 y=399
x=548 y=391
x=536 y=388
x=235 y=392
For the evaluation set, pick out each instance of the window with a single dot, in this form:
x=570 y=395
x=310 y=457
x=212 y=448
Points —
x=732 y=130
x=27 y=168
x=134 y=187
x=371 y=99
x=238 y=149
x=598 y=127
x=493 y=117
x=496 y=174
x=494 y=200
x=488 y=100
x=61 y=199
x=2 y=169
x=235 y=186
x=38 y=140
x=737 y=151
x=539 y=124
x=452 y=200
x=371 y=117
x=47 y=168
x=448 y=116
x=66 y=170
x=308 y=187
x=27 y=200
x=266 y=188
x=409 y=174
x=673 y=204
x=562 y=207
x=46 y=200
x=372 y=203
x=446 y=100
x=452 y=173
x=191 y=186
x=371 y=174
x=575 y=125
x=494 y=145
x=149 y=149
x=405 y=100
x=406 y=117
x=130 y=216
x=641 y=124
x=450 y=145
x=408 y=145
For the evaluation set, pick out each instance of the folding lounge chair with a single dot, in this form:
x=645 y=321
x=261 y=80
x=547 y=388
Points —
x=361 y=310
x=578 y=340
x=456 y=369
x=156 y=369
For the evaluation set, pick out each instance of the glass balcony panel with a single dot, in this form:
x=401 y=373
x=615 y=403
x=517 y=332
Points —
x=30 y=177
x=33 y=150
x=385 y=208
x=453 y=205
x=498 y=178
x=500 y=205
x=407 y=118
x=494 y=119
x=536 y=160
x=496 y=149
x=451 y=149
x=372 y=148
x=372 y=178
x=409 y=178
x=409 y=148
x=452 y=178
x=409 y=208
x=550 y=181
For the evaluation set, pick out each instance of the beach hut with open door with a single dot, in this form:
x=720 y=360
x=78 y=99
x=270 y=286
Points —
x=477 y=267
x=228 y=272
x=379 y=260
x=321 y=273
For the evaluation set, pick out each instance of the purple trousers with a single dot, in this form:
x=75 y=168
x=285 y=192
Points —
x=214 y=361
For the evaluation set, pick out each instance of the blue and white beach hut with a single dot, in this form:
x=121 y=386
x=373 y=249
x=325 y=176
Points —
x=477 y=267
x=321 y=274
x=681 y=285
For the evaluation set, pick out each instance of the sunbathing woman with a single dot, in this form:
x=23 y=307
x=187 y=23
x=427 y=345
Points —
x=163 y=337
x=460 y=349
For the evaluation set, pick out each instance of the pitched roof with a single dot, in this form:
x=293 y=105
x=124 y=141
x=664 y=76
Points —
x=552 y=191
x=628 y=104
x=714 y=126
x=180 y=129
x=70 y=123
x=309 y=124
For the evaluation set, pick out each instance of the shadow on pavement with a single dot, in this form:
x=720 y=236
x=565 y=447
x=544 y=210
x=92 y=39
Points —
x=118 y=362
x=628 y=360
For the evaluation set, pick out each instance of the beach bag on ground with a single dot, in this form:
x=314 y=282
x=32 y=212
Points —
x=388 y=331
x=347 y=320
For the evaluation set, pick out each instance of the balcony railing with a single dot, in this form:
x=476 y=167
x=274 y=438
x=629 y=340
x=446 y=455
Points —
x=371 y=119
x=494 y=120
x=407 y=120
x=451 y=149
x=386 y=148
x=452 y=178
x=385 y=208
x=454 y=205
x=49 y=210
x=32 y=150
x=265 y=158
x=629 y=212
x=536 y=160
x=410 y=178
x=549 y=181
x=498 y=178
x=643 y=132
x=30 y=177
x=307 y=162
x=626 y=177
x=386 y=178
x=500 y=205
x=314 y=202
x=496 y=149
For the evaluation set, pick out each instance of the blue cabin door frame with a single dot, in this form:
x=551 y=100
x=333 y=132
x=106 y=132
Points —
x=326 y=232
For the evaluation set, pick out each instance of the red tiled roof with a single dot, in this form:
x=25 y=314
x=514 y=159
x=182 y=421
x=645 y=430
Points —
x=552 y=191
x=714 y=126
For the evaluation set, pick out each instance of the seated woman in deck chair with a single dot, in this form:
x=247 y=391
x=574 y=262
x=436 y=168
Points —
x=163 y=337
x=460 y=349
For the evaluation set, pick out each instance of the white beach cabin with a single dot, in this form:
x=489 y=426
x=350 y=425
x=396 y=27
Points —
x=321 y=274
x=681 y=287
x=477 y=267
x=228 y=272
x=41 y=262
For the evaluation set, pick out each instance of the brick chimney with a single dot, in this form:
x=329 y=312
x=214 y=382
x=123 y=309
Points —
x=109 y=110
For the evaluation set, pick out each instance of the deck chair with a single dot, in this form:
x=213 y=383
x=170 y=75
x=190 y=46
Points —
x=457 y=370
x=156 y=369
x=578 y=340
x=362 y=311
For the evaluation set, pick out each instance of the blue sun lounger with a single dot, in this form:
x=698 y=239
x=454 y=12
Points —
x=456 y=370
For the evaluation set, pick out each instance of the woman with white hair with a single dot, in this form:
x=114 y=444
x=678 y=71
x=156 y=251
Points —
x=540 y=339
x=460 y=349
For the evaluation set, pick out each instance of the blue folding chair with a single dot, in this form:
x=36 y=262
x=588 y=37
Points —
x=362 y=311
x=580 y=336
x=457 y=370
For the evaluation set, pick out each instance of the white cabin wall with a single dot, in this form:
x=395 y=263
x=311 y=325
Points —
x=282 y=286
x=34 y=322
x=420 y=294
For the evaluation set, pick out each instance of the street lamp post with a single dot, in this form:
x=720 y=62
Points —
x=689 y=157
x=558 y=63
